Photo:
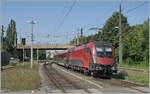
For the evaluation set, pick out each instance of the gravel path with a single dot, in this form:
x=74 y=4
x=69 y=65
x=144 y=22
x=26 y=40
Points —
x=44 y=81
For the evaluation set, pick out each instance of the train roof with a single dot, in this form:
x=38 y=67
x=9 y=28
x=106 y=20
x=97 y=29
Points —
x=102 y=43
x=98 y=43
x=76 y=48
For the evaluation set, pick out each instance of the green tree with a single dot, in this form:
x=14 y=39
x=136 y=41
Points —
x=135 y=39
x=145 y=42
x=11 y=37
x=109 y=31
x=42 y=54
x=2 y=37
x=136 y=44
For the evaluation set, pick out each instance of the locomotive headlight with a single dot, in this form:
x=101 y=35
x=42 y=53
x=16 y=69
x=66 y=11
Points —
x=113 y=68
x=98 y=68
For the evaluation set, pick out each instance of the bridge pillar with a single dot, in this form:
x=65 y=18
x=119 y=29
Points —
x=37 y=55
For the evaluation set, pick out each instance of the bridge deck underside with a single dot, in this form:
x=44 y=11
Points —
x=46 y=47
x=43 y=48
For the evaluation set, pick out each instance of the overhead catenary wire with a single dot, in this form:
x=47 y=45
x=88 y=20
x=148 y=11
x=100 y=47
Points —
x=66 y=15
x=136 y=7
x=71 y=7
x=130 y=10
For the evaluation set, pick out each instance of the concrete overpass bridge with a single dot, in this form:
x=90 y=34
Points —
x=45 y=46
x=24 y=51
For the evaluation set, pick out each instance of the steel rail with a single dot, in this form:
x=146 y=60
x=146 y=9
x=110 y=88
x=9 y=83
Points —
x=119 y=82
x=52 y=78
x=71 y=82
x=57 y=78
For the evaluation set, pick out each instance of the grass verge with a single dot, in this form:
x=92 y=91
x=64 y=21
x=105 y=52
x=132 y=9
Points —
x=20 y=77
x=137 y=66
x=135 y=76
x=142 y=79
x=139 y=78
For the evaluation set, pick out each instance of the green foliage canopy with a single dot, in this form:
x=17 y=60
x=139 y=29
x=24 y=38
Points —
x=134 y=38
x=11 y=37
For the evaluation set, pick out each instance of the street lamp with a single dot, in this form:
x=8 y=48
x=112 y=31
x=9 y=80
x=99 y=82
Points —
x=96 y=29
x=116 y=27
x=37 y=52
x=32 y=22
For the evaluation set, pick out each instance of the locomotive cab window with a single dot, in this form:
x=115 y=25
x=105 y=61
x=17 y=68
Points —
x=108 y=52
x=104 y=51
x=100 y=51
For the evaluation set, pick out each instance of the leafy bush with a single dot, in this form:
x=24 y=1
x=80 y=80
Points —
x=5 y=57
x=121 y=75
x=13 y=61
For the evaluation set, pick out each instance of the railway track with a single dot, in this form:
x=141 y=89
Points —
x=60 y=81
x=117 y=82
x=122 y=83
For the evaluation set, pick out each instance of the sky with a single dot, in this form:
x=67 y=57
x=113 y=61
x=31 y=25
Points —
x=49 y=14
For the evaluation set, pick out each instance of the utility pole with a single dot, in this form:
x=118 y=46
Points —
x=2 y=35
x=74 y=41
x=23 y=54
x=81 y=35
x=37 y=55
x=78 y=41
x=23 y=43
x=32 y=22
x=120 y=36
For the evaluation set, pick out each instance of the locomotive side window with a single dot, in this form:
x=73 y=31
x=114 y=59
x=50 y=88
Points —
x=88 y=50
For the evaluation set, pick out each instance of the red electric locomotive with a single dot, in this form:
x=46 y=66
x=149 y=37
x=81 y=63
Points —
x=95 y=58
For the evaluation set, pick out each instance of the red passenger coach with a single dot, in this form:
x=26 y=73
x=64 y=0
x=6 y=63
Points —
x=95 y=58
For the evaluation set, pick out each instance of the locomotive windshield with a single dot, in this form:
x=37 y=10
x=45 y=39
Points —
x=104 y=51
